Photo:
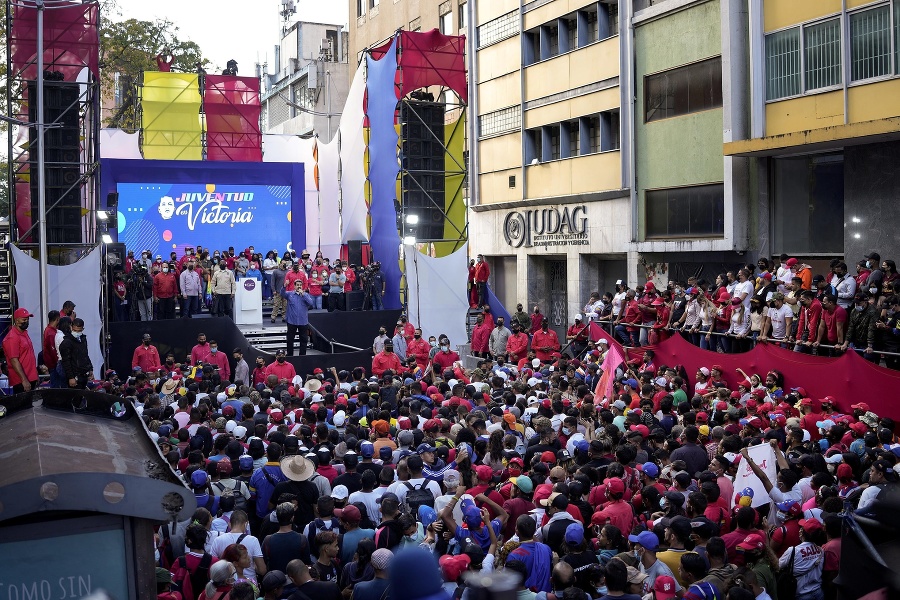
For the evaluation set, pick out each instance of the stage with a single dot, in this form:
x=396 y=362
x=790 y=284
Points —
x=340 y=339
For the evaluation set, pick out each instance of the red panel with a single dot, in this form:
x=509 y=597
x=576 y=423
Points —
x=71 y=41
x=428 y=58
x=232 y=118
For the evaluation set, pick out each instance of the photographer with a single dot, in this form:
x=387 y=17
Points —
x=141 y=285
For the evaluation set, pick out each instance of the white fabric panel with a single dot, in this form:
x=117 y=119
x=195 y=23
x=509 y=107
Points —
x=437 y=296
x=115 y=143
x=294 y=149
x=79 y=283
x=329 y=190
x=353 y=174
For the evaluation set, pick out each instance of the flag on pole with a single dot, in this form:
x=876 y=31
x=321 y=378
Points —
x=614 y=358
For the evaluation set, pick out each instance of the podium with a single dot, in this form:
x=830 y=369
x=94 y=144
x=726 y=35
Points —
x=248 y=302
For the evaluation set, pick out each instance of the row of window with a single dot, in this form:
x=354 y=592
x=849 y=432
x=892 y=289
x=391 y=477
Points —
x=502 y=27
x=578 y=137
x=445 y=23
x=594 y=22
x=683 y=90
x=500 y=121
x=808 y=57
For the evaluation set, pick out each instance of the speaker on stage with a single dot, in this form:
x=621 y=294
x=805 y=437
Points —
x=355 y=299
x=357 y=251
x=423 y=177
x=62 y=160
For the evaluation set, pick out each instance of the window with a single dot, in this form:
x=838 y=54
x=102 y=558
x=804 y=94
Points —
x=697 y=211
x=463 y=16
x=500 y=121
x=822 y=53
x=416 y=24
x=447 y=23
x=783 y=64
x=587 y=26
x=870 y=43
x=572 y=132
x=808 y=204
x=683 y=90
x=568 y=34
x=612 y=19
x=609 y=130
x=533 y=145
x=593 y=133
x=531 y=46
x=498 y=29
x=553 y=151
x=361 y=7
x=373 y=3
x=549 y=41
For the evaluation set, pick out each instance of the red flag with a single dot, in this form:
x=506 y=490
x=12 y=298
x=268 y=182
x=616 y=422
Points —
x=614 y=358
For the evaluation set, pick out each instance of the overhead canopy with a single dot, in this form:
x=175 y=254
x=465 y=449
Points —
x=69 y=452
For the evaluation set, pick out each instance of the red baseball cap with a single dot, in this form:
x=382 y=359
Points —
x=702 y=417
x=759 y=393
x=861 y=406
x=724 y=405
x=860 y=428
x=664 y=588
x=21 y=313
x=810 y=524
x=615 y=485
x=717 y=368
x=754 y=541
x=801 y=391
x=483 y=472
x=642 y=429
x=548 y=457
x=745 y=383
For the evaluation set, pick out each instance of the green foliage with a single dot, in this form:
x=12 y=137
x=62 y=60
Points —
x=128 y=48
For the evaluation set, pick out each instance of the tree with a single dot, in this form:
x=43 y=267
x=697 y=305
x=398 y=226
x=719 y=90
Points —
x=127 y=48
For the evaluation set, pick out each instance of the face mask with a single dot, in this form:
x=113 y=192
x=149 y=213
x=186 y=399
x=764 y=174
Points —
x=544 y=327
x=868 y=265
x=259 y=364
x=280 y=359
x=23 y=325
x=602 y=590
x=170 y=362
x=860 y=307
x=190 y=267
x=213 y=350
x=146 y=342
x=165 y=269
x=445 y=348
x=433 y=344
x=382 y=332
x=679 y=291
x=566 y=431
x=873 y=290
x=499 y=324
x=76 y=335
x=418 y=337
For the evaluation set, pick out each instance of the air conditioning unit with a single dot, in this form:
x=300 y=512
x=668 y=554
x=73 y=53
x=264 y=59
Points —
x=325 y=50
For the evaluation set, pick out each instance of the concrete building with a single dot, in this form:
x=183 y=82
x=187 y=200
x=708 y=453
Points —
x=311 y=81
x=824 y=127
x=552 y=205
x=373 y=22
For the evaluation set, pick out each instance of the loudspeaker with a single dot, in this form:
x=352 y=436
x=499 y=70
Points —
x=355 y=299
x=355 y=252
x=62 y=158
x=423 y=178
x=112 y=210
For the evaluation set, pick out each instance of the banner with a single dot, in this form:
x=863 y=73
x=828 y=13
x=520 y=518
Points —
x=170 y=116
x=117 y=143
x=614 y=358
x=78 y=282
x=764 y=456
x=437 y=303
x=353 y=171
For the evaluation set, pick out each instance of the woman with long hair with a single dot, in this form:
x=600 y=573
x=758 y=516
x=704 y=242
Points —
x=240 y=559
x=740 y=327
x=494 y=455
x=360 y=569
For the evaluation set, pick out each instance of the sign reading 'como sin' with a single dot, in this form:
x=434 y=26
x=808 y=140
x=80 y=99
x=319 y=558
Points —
x=546 y=227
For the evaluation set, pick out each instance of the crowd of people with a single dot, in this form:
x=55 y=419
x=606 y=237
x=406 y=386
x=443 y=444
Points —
x=780 y=302
x=399 y=478
x=203 y=279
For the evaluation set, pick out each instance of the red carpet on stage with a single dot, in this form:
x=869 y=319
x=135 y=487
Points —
x=849 y=378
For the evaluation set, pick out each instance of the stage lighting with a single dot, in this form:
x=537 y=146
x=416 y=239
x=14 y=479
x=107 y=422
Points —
x=107 y=239
x=410 y=240
x=412 y=219
x=102 y=215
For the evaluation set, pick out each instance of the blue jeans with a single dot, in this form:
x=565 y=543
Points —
x=704 y=343
x=191 y=306
x=377 y=301
x=317 y=302
x=267 y=286
x=629 y=338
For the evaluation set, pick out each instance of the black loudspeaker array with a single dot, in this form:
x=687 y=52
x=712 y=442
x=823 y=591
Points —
x=355 y=252
x=62 y=158
x=423 y=183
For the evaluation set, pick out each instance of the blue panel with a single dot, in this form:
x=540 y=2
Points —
x=497 y=308
x=280 y=182
x=383 y=170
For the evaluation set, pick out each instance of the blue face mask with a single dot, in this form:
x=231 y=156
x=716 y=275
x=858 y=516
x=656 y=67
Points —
x=213 y=350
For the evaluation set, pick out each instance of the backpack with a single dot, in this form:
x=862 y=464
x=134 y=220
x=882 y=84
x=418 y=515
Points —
x=785 y=581
x=240 y=503
x=166 y=552
x=417 y=496
x=188 y=580
x=317 y=527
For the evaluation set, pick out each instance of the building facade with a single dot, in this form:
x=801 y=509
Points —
x=824 y=126
x=307 y=92
x=551 y=209
x=373 y=22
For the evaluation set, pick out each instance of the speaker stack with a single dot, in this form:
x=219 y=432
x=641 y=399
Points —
x=423 y=179
x=62 y=158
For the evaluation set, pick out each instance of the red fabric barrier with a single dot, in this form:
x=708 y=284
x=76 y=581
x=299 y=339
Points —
x=232 y=118
x=848 y=378
x=71 y=40
x=428 y=58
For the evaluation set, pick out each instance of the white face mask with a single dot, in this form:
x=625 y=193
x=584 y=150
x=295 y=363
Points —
x=76 y=334
x=165 y=269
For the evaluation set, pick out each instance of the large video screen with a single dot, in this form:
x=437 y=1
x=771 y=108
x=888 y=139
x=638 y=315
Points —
x=166 y=217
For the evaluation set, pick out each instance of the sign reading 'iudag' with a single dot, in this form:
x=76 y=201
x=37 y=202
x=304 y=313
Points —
x=546 y=227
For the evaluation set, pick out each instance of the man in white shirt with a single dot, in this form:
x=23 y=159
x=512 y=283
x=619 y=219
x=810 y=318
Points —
x=619 y=298
x=240 y=534
x=415 y=464
x=881 y=474
x=844 y=285
x=743 y=289
x=779 y=315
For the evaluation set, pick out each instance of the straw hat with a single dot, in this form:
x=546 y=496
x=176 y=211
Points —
x=169 y=387
x=297 y=468
x=313 y=384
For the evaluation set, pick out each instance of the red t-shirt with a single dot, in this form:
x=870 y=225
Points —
x=17 y=344
x=831 y=319
x=48 y=345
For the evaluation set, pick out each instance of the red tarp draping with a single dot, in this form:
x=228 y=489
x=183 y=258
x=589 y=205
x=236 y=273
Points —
x=429 y=58
x=71 y=41
x=232 y=118
x=848 y=378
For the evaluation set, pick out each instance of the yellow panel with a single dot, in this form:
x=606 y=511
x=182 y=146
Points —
x=591 y=64
x=454 y=184
x=874 y=101
x=170 y=116
x=499 y=59
x=553 y=10
x=499 y=93
x=574 y=108
x=488 y=11
x=502 y=152
x=591 y=173
x=778 y=14
x=807 y=112
x=494 y=187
